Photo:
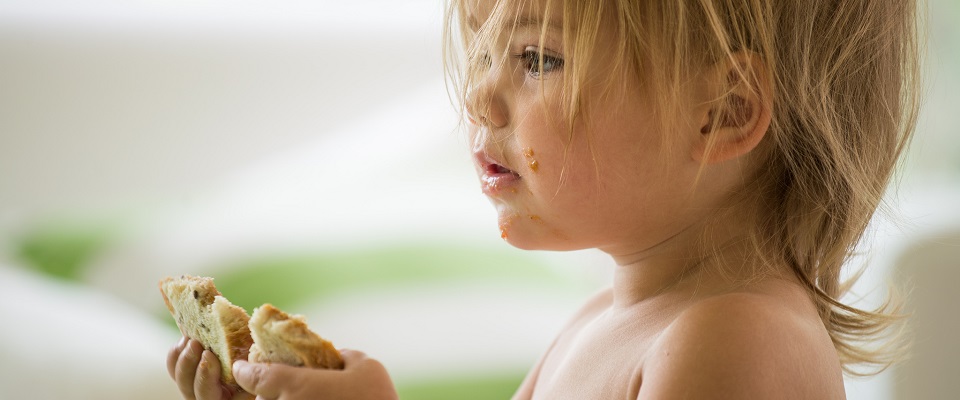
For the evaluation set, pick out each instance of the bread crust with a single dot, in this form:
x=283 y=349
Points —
x=203 y=314
x=270 y=336
x=283 y=338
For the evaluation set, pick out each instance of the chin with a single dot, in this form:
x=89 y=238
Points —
x=532 y=238
x=531 y=232
x=523 y=244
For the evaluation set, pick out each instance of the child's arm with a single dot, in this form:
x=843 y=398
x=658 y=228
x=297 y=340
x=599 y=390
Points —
x=362 y=378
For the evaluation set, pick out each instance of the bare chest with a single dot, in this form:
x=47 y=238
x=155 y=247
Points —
x=600 y=359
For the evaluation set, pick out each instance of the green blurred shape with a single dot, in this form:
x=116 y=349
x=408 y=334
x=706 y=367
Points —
x=63 y=250
x=478 y=388
x=287 y=281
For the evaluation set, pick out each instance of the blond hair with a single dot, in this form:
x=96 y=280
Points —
x=844 y=77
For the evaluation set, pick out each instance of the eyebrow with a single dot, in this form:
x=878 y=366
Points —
x=526 y=22
x=521 y=23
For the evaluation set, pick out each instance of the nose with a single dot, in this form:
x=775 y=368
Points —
x=485 y=104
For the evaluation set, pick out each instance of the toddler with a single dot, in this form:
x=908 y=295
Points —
x=728 y=154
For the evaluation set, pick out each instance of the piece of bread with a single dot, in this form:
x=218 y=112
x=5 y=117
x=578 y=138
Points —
x=286 y=339
x=206 y=316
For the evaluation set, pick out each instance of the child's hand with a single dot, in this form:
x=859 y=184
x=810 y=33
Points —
x=197 y=373
x=362 y=378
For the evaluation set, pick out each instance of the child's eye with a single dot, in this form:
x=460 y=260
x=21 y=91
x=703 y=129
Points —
x=537 y=64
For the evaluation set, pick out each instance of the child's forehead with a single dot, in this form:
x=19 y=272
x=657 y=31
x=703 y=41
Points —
x=512 y=13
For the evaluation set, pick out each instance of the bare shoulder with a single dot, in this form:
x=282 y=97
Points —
x=743 y=346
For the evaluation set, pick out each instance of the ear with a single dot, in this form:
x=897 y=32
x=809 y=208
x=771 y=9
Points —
x=737 y=115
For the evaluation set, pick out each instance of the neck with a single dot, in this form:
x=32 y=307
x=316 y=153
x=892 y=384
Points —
x=686 y=261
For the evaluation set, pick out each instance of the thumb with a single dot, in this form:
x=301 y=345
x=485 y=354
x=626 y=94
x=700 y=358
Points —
x=259 y=379
x=351 y=358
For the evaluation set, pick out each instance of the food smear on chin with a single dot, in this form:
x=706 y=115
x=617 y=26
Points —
x=536 y=218
x=505 y=223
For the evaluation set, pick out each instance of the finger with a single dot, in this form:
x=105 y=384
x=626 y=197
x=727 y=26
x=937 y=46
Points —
x=359 y=362
x=241 y=395
x=352 y=358
x=207 y=383
x=372 y=371
x=259 y=379
x=186 y=370
x=173 y=355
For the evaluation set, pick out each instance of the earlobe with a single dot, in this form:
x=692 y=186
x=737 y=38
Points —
x=735 y=123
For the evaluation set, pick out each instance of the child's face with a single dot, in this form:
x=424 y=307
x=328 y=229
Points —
x=613 y=185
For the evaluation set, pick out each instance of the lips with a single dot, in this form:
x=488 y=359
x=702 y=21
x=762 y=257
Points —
x=496 y=179
x=496 y=169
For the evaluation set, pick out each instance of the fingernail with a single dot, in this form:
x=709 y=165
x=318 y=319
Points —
x=238 y=365
x=207 y=358
x=183 y=339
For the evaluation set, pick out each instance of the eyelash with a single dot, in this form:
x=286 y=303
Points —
x=532 y=63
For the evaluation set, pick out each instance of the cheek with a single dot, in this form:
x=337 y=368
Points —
x=562 y=177
x=542 y=139
x=605 y=179
x=547 y=159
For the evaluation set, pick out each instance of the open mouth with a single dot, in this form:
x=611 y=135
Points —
x=496 y=179
x=492 y=168
x=497 y=169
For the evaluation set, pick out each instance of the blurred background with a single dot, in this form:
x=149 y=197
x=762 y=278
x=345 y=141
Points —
x=306 y=153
